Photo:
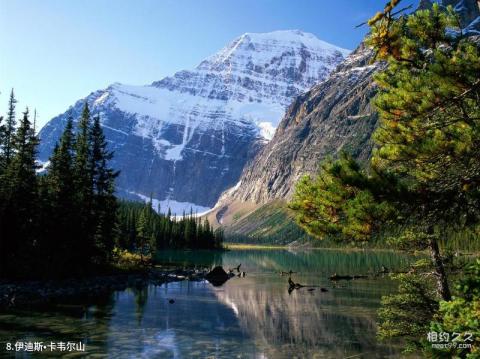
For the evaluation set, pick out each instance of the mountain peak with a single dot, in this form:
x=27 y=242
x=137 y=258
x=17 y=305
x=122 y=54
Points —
x=269 y=52
x=187 y=137
x=292 y=36
x=280 y=35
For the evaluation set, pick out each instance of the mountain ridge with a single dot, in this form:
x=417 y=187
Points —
x=332 y=116
x=187 y=137
x=335 y=115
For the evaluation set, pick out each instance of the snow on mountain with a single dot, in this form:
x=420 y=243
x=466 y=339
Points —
x=334 y=116
x=176 y=208
x=187 y=137
x=251 y=81
x=321 y=122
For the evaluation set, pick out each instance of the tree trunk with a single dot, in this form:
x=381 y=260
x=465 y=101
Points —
x=442 y=283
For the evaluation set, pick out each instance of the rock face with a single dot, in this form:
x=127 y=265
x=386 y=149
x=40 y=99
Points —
x=469 y=11
x=186 y=138
x=333 y=116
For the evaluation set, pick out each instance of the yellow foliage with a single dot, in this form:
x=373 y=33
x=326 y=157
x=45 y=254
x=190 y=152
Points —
x=125 y=258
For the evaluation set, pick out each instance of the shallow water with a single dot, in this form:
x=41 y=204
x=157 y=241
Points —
x=251 y=317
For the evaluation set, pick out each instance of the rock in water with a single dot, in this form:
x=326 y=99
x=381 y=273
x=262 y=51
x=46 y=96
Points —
x=217 y=276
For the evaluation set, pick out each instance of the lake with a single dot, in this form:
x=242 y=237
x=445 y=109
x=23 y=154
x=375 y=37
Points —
x=248 y=317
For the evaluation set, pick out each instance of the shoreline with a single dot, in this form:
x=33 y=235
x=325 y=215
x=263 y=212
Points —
x=25 y=293
x=14 y=294
x=246 y=246
x=253 y=246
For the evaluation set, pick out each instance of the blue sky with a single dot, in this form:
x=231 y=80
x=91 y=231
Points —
x=54 y=52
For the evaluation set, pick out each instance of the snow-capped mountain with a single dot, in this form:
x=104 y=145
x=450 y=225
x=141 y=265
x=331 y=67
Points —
x=334 y=116
x=186 y=138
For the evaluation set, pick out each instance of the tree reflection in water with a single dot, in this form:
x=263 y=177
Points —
x=247 y=317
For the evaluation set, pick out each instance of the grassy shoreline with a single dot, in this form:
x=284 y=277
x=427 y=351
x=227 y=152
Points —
x=253 y=246
x=231 y=246
x=244 y=246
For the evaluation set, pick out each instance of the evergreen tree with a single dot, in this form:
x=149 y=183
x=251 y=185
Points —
x=142 y=230
x=424 y=175
x=2 y=196
x=425 y=171
x=141 y=227
x=83 y=175
x=9 y=130
x=60 y=235
x=461 y=315
x=190 y=231
x=219 y=237
x=66 y=217
x=2 y=146
x=21 y=198
x=429 y=136
x=60 y=170
x=103 y=178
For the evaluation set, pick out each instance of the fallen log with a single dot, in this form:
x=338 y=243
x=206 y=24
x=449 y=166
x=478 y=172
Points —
x=292 y=286
x=335 y=277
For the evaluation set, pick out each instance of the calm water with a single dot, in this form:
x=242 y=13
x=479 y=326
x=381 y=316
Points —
x=251 y=317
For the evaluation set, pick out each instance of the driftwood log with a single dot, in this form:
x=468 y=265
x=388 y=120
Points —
x=292 y=286
x=335 y=277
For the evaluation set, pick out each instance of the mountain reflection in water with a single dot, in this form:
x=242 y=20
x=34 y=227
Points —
x=251 y=317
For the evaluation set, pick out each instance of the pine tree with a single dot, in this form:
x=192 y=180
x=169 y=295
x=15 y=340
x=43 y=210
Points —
x=142 y=230
x=83 y=175
x=2 y=146
x=461 y=315
x=424 y=175
x=65 y=218
x=21 y=200
x=103 y=180
x=344 y=202
x=140 y=226
x=9 y=130
x=60 y=170
x=429 y=135
x=219 y=236
x=2 y=196
x=190 y=231
x=23 y=165
x=61 y=233
x=425 y=171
